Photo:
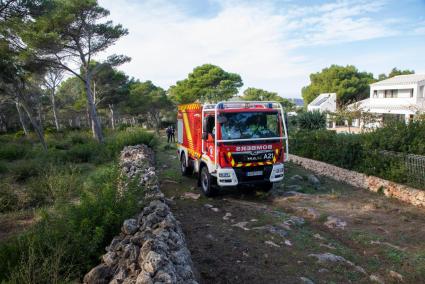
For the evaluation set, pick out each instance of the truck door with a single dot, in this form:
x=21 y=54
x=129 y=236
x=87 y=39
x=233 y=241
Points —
x=209 y=134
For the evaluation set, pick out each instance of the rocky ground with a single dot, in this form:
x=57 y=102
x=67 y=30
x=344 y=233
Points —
x=306 y=230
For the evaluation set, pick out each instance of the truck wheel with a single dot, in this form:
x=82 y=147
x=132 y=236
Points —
x=184 y=168
x=267 y=186
x=206 y=182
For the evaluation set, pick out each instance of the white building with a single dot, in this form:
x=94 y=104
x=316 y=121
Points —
x=324 y=103
x=400 y=97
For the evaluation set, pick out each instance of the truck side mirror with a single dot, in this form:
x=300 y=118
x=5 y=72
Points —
x=204 y=135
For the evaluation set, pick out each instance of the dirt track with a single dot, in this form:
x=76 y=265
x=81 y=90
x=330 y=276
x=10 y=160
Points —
x=244 y=236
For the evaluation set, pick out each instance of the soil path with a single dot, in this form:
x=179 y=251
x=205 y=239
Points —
x=330 y=233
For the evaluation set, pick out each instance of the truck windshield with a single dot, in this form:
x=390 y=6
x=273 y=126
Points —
x=247 y=125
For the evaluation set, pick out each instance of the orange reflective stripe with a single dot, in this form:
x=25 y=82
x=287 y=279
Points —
x=187 y=128
x=232 y=161
x=194 y=106
x=240 y=164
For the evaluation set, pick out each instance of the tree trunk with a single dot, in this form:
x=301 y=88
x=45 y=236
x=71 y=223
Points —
x=40 y=119
x=155 y=121
x=21 y=118
x=36 y=127
x=96 y=127
x=111 y=108
x=88 y=117
x=3 y=123
x=52 y=97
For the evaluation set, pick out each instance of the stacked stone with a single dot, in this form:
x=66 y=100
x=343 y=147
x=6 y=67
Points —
x=388 y=188
x=151 y=247
x=136 y=162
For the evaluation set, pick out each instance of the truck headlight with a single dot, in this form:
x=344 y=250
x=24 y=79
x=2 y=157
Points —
x=279 y=170
x=224 y=175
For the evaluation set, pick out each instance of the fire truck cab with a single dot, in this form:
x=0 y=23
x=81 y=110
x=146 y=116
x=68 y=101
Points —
x=232 y=143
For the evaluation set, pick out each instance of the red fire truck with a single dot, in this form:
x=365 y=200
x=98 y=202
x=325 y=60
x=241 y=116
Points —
x=232 y=143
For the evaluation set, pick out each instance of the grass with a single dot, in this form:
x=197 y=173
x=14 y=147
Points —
x=14 y=151
x=3 y=167
x=74 y=187
x=52 y=175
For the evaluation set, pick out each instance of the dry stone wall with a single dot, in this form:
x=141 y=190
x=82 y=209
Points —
x=151 y=247
x=391 y=189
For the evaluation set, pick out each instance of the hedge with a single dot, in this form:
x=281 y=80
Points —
x=380 y=153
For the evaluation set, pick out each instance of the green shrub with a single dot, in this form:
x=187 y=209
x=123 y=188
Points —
x=9 y=200
x=398 y=137
x=379 y=153
x=73 y=235
x=69 y=237
x=19 y=134
x=13 y=151
x=55 y=184
x=79 y=137
x=84 y=153
x=311 y=120
x=3 y=167
x=63 y=183
x=131 y=136
x=24 y=169
x=123 y=126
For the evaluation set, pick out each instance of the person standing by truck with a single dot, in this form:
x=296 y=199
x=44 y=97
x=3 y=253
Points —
x=168 y=131
x=173 y=131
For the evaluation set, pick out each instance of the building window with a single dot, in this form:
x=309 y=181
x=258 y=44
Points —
x=390 y=93
x=411 y=93
x=375 y=94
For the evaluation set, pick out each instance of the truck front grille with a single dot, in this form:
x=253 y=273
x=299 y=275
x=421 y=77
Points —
x=242 y=176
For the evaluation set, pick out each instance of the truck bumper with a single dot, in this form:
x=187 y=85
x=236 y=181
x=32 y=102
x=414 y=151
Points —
x=277 y=173
x=226 y=177
x=235 y=176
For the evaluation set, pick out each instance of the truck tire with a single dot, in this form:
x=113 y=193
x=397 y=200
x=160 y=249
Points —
x=207 y=182
x=184 y=168
x=267 y=186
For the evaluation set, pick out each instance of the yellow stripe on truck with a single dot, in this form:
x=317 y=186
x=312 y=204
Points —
x=240 y=164
x=187 y=129
x=194 y=106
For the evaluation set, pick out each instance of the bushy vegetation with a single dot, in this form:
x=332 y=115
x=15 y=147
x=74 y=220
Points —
x=74 y=187
x=43 y=177
x=68 y=240
x=379 y=153
x=13 y=151
x=311 y=120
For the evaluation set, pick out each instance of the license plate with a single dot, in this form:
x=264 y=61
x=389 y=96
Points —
x=259 y=157
x=255 y=173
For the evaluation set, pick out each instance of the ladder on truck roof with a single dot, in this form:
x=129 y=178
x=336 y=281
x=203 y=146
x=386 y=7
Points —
x=244 y=104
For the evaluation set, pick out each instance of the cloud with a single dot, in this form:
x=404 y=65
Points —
x=257 y=39
x=338 y=22
x=419 y=29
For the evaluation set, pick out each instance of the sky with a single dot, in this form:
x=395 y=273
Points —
x=273 y=44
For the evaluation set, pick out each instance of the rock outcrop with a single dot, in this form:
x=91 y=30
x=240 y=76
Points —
x=151 y=247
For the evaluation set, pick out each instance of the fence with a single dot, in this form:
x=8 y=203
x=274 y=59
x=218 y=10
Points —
x=404 y=168
x=414 y=164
